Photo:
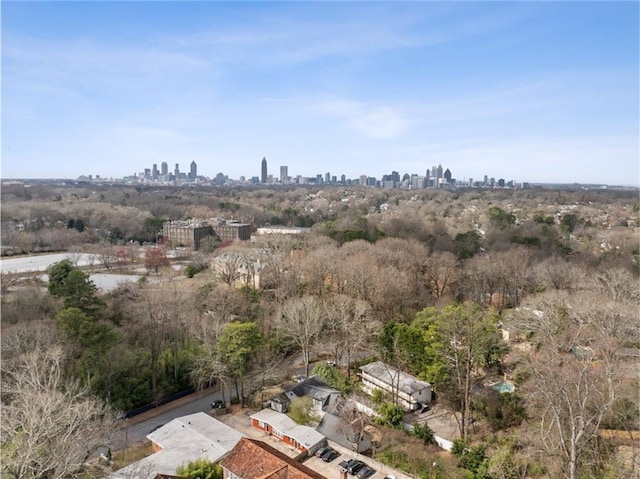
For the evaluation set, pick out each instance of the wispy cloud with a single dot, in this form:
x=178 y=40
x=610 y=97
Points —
x=376 y=122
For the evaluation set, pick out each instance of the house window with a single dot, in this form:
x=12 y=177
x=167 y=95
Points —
x=261 y=424
x=277 y=433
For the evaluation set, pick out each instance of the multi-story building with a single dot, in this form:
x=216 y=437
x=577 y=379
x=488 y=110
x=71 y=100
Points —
x=164 y=168
x=411 y=393
x=284 y=174
x=191 y=233
x=264 y=170
x=193 y=172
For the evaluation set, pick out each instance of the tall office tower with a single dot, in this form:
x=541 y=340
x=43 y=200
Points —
x=447 y=175
x=427 y=178
x=264 y=170
x=164 y=168
x=284 y=174
x=194 y=171
x=438 y=175
x=486 y=181
x=343 y=179
x=147 y=174
x=327 y=177
x=434 y=172
x=177 y=171
x=154 y=172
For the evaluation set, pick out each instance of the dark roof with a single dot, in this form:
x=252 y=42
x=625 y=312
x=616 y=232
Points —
x=313 y=387
x=252 y=459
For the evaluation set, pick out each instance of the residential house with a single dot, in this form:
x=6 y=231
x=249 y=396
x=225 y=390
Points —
x=312 y=387
x=344 y=423
x=412 y=394
x=303 y=438
x=252 y=459
x=196 y=436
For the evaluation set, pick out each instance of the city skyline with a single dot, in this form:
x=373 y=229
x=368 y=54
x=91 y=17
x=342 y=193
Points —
x=536 y=92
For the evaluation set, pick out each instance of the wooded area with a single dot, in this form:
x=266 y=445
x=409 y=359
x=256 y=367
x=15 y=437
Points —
x=431 y=282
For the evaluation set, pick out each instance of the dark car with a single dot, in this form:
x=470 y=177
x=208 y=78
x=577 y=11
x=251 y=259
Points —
x=346 y=463
x=330 y=455
x=320 y=452
x=218 y=404
x=365 y=472
x=354 y=467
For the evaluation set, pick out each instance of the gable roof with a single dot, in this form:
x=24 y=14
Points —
x=252 y=459
x=313 y=387
x=305 y=435
x=405 y=382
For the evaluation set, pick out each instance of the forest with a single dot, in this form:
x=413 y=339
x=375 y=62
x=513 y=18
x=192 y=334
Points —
x=460 y=288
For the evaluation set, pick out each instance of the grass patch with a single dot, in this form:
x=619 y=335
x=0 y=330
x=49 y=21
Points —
x=132 y=454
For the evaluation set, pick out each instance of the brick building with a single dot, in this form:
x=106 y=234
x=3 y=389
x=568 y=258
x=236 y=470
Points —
x=192 y=232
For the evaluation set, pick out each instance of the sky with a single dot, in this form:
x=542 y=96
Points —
x=535 y=91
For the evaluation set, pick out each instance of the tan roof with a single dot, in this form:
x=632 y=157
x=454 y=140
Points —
x=252 y=459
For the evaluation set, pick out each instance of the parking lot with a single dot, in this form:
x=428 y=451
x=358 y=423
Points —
x=239 y=420
x=331 y=471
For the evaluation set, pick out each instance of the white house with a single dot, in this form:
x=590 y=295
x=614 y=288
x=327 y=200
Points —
x=187 y=438
x=411 y=392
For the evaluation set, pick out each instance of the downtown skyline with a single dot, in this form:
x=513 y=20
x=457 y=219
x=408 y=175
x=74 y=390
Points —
x=535 y=92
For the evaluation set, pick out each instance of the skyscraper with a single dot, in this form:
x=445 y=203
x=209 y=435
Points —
x=154 y=172
x=164 y=168
x=194 y=171
x=284 y=174
x=438 y=176
x=264 y=170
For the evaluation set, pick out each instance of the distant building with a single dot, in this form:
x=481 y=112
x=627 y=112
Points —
x=191 y=233
x=193 y=173
x=284 y=174
x=264 y=170
x=164 y=168
x=154 y=172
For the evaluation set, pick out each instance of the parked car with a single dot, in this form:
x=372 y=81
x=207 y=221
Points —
x=346 y=463
x=330 y=455
x=218 y=404
x=355 y=467
x=320 y=452
x=365 y=472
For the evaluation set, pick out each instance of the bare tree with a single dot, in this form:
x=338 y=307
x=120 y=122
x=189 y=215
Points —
x=350 y=326
x=441 y=273
x=576 y=370
x=50 y=426
x=300 y=320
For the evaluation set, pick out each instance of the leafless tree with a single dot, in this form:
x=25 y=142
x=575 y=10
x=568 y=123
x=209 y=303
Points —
x=350 y=326
x=441 y=273
x=300 y=320
x=50 y=426
x=576 y=370
x=353 y=422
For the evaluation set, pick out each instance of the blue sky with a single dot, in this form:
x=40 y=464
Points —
x=530 y=91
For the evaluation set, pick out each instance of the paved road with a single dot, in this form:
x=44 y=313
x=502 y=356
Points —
x=139 y=426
